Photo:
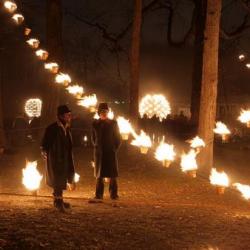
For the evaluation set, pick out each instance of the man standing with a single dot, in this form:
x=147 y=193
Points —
x=57 y=150
x=106 y=140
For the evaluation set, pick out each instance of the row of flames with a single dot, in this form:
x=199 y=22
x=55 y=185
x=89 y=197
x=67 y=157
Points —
x=151 y=105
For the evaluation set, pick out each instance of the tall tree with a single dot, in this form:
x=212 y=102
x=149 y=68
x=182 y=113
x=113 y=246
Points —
x=55 y=47
x=199 y=19
x=209 y=79
x=135 y=61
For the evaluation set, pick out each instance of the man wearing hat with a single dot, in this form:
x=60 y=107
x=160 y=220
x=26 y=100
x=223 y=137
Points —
x=106 y=140
x=57 y=150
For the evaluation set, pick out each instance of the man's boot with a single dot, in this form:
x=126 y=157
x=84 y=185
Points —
x=59 y=205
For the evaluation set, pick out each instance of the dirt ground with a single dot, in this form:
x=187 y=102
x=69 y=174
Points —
x=159 y=208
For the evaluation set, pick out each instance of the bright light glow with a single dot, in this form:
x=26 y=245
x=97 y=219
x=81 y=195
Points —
x=88 y=101
x=242 y=57
x=62 y=78
x=125 y=127
x=142 y=140
x=165 y=152
x=219 y=178
x=10 y=6
x=76 y=178
x=197 y=142
x=33 y=43
x=52 y=67
x=221 y=129
x=42 y=54
x=188 y=161
x=244 y=189
x=154 y=105
x=248 y=65
x=244 y=116
x=75 y=90
x=18 y=18
x=33 y=107
x=31 y=176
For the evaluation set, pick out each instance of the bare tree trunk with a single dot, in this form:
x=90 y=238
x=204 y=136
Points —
x=199 y=21
x=135 y=62
x=3 y=142
x=55 y=48
x=209 y=80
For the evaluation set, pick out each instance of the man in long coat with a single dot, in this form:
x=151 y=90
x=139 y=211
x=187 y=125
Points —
x=106 y=140
x=57 y=150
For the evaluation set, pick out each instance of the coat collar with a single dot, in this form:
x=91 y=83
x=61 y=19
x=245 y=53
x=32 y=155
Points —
x=59 y=123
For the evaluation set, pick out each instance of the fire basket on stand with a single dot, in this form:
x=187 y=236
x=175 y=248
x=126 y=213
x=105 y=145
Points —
x=75 y=90
x=63 y=79
x=31 y=177
x=42 y=54
x=27 y=31
x=165 y=153
x=33 y=43
x=244 y=189
x=220 y=180
x=221 y=129
x=189 y=163
x=10 y=6
x=52 y=67
x=197 y=143
x=143 y=141
x=18 y=18
x=245 y=117
x=89 y=102
x=124 y=127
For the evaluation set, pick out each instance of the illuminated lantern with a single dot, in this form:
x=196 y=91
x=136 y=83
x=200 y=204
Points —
x=89 y=102
x=42 y=54
x=142 y=141
x=33 y=107
x=197 y=143
x=124 y=127
x=18 y=18
x=75 y=90
x=154 y=105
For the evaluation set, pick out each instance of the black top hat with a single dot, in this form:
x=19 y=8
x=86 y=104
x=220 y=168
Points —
x=103 y=106
x=63 y=109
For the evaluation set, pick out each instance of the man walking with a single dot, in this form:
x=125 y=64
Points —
x=57 y=150
x=106 y=140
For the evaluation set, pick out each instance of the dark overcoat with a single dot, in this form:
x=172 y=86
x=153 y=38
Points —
x=57 y=143
x=106 y=140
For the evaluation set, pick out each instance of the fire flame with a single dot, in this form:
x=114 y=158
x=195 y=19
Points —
x=221 y=129
x=165 y=152
x=62 y=78
x=31 y=176
x=75 y=90
x=88 y=101
x=197 y=142
x=242 y=57
x=18 y=18
x=76 y=178
x=154 y=105
x=142 y=140
x=124 y=125
x=219 y=178
x=33 y=42
x=10 y=6
x=188 y=161
x=42 y=54
x=244 y=189
x=244 y=116
x=52 y=67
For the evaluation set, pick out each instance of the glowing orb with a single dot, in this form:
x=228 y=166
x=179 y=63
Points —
x=154 y=105
x=33 y=107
